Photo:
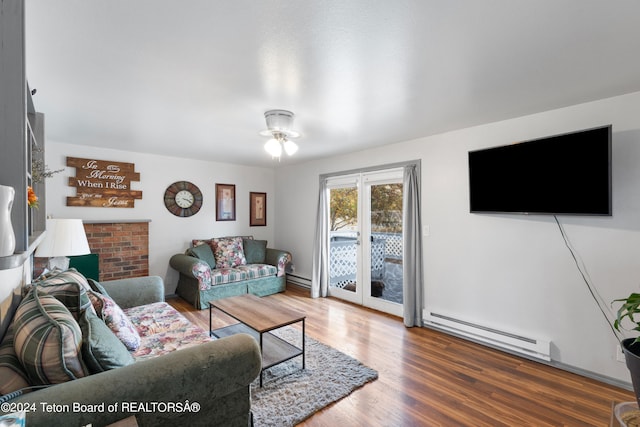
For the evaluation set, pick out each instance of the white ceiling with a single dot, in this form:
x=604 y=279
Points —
x=192 y=78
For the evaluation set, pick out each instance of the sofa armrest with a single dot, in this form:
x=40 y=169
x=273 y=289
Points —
x=186 y=264
x=194 y=268
x=135 y=291
x=215 y=375
x=279 y=258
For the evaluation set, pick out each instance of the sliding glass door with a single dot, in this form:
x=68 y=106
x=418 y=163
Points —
x=365 y=239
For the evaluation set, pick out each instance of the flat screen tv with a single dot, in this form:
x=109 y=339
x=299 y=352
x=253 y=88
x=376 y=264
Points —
x=562 y=174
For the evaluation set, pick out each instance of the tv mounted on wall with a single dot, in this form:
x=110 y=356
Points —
x=562 y=174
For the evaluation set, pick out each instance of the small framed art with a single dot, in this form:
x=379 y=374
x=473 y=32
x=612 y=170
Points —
x=258 y=209
x=225 y=202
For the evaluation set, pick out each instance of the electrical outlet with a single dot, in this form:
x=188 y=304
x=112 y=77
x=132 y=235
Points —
x=619 y=354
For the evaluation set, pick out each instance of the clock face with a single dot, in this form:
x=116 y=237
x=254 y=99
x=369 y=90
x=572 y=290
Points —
x=183 y=198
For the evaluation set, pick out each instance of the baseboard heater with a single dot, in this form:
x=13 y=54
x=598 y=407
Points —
x=299 y=280
x=529 y=347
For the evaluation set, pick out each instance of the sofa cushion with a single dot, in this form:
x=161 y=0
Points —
x=203 y=252
x=255 y=251
x=221 y=276
x=101 y=349
x=254 y=271
x=228 y=252
x=47 y=340
x=115 y=319
x=163 y=330
x=12 y=374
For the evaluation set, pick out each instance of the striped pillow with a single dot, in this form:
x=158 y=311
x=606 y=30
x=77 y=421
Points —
x=47 y=340
x=57 y=277
x=12 y=375
x=71 y=294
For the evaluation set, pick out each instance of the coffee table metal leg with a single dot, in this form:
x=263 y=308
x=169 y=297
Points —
x=303 y=346
x=261 y=356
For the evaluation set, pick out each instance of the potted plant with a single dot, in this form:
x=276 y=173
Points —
x=629 y=309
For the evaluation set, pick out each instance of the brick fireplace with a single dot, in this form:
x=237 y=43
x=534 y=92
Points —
x=122 y=246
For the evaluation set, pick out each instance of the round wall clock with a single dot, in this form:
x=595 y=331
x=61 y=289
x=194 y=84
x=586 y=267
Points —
x=183 y=198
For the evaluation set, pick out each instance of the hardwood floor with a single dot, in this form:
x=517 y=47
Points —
x=427 y=378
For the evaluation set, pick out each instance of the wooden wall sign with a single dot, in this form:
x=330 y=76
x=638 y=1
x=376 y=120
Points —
x=102 y=183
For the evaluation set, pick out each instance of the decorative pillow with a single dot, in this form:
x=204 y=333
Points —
x=71 y=294
x=57 y=277
x=101 y=349
x=47 y=340
x=116 y=320
x=97 y=287
x=203 y=252
x=228 y=252
x=255 y=251
x=12 y=374
x=198 y=242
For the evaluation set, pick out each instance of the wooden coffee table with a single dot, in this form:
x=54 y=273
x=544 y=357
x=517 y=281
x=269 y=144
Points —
x=258 y=317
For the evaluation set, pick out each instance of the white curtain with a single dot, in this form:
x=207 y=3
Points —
x=412 y=249
x=320 y=269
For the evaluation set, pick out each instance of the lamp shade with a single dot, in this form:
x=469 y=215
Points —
x=64 y=237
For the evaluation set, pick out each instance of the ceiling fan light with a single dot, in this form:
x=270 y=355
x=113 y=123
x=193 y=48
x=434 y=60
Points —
x=273 y=147
x=290 y=147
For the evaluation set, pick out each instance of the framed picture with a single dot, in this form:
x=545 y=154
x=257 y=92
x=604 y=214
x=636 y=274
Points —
x=258 y=209
x=225 y=202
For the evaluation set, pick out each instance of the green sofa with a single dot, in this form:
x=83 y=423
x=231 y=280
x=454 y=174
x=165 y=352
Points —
x=215 y=375
x=229 y=266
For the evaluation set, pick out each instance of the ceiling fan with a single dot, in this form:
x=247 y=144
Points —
x=279 y=123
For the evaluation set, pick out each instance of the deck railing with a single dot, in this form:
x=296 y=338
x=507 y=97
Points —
x=343 y=249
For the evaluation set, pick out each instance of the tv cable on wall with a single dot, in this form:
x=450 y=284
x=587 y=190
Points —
x=587 y=280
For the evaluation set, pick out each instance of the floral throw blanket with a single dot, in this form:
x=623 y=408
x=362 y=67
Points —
x=163 y=329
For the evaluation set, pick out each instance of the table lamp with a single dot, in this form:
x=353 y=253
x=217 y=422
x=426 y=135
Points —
x=64 y=238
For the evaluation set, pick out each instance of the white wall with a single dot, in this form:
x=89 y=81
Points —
x=509 y=272
x=168 y=234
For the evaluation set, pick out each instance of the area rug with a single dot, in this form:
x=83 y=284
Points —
x=290 y=395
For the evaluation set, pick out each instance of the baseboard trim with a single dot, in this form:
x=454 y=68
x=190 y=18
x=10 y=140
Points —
x=592 y=375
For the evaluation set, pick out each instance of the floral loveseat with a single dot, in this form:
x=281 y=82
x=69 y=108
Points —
x=228 y=266
x=101 y=352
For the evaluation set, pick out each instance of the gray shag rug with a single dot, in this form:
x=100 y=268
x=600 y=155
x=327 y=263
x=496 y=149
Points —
x=290 y=395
